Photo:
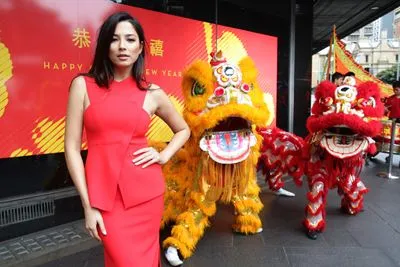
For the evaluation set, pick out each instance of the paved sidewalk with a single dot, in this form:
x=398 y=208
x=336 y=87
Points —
x=371 y=238
x=46 y=245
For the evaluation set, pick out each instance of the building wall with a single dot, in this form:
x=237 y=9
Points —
x=380 y=57
x=376 y=47
x=396 y=23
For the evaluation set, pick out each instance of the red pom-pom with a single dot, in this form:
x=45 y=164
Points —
x=245 y=88
x=372 y=149
x=219 y=91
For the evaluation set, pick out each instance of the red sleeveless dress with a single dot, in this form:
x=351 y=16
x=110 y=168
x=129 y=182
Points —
x=129 y=197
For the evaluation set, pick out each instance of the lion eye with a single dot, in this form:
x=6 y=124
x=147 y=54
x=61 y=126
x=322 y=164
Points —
x=327 y=101
x=371 y=102
x=197 y=89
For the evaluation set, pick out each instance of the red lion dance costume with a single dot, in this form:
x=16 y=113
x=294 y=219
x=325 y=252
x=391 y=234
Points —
x=342 y=123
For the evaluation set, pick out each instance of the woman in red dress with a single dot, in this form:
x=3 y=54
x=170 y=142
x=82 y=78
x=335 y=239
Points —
x=121 y=185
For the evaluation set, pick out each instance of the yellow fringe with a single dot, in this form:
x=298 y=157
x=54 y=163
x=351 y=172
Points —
x=222 y=181
x=247 y=224
x=207 y=207
x=255 y=206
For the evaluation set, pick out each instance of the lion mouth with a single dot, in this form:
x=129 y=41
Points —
x=230 y=141
x=343 y=142
x=341 y=130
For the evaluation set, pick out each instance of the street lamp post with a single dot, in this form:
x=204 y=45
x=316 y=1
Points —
x=398 y=60
x=389 y=174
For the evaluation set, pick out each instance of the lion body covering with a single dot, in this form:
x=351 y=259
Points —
x=223 y=106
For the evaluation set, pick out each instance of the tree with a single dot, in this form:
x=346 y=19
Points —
x=389 y=75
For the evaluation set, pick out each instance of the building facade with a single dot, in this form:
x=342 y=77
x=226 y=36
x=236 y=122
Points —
x=376 y=47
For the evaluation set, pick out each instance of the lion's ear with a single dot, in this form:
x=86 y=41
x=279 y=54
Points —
x=248 y=68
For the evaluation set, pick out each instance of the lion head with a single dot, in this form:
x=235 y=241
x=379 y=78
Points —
x=222 y=103
x=346 y=116
x=223 y=107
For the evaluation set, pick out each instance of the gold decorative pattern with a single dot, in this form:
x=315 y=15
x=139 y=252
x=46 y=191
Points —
x=5 y=74
x=228 y=42
x=48 y=135
x=20 y=152
x=269 y=100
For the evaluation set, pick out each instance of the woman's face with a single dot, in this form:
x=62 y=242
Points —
x=125 y=46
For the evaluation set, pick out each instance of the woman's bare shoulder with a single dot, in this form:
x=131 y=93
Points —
x=156 y=91
x=153 y=87
x=78 y=85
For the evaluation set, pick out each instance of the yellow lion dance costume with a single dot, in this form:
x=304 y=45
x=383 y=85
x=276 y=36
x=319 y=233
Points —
x=223 y=107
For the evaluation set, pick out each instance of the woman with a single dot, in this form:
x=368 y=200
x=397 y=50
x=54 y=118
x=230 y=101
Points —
x=121 y=185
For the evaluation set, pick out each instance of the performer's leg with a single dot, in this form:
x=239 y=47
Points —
x=247 y=207
x=284 y=192
x=190 y=226
x=315 y=210
x=353 y=195
x=275 y=183
x=274 y=178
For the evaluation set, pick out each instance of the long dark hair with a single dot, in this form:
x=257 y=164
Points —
x=102 y=68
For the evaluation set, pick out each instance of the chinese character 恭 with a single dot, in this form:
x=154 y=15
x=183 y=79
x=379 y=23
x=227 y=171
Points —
x=81 y=38
x=156 y=47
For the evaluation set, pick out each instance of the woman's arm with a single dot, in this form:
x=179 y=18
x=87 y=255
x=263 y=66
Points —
x=163 y=108
x=167 y=112
x=72 y=146
x=73 y=137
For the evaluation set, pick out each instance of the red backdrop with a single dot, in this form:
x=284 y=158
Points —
x=45 y=43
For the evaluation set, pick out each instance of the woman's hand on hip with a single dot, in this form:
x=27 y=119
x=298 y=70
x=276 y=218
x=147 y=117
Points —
x=148 y=156
x=93 y=219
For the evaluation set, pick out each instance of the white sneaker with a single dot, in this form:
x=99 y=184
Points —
x=259 y=230
x=283 y=192
x=172 y=256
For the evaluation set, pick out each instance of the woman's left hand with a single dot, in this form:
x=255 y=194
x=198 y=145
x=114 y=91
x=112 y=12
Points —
x=148 y=156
